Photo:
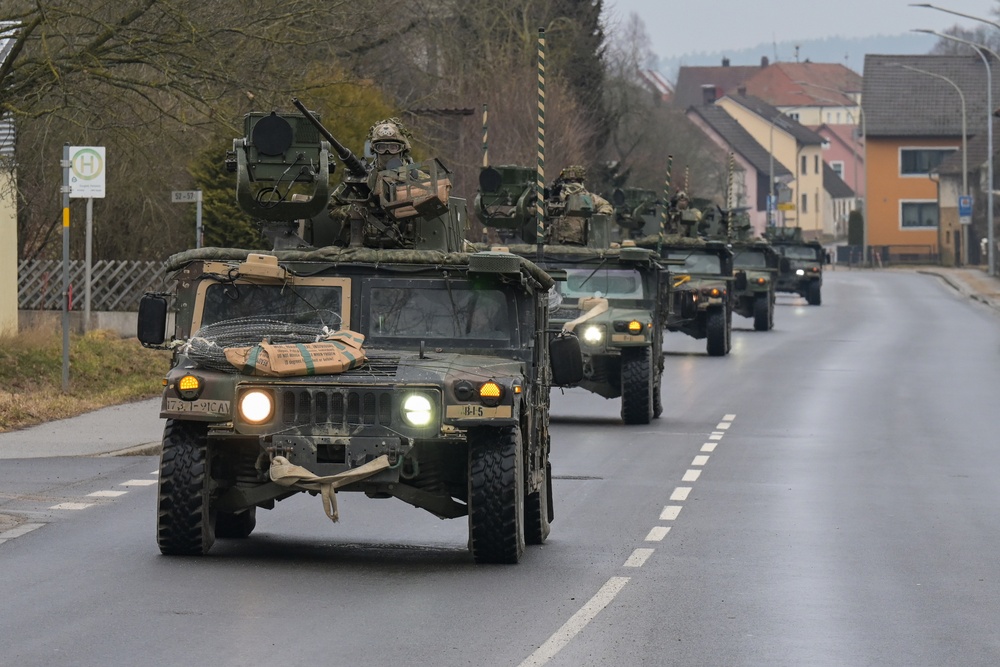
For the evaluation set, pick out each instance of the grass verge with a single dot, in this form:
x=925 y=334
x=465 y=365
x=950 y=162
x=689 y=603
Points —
x=104 y=370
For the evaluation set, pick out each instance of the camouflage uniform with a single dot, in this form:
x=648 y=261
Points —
x=573 y=230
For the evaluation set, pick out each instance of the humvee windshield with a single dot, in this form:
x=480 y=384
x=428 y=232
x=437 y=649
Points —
x=800 y=252
x=610 y=283
x=750 y=259
x=318 y=305
x=450 y=312
x=696 y=262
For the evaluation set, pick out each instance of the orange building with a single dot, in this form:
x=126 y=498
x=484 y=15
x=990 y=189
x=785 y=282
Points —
x=913 y=114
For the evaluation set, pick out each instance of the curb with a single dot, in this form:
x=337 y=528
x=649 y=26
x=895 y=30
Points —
x=148 y=449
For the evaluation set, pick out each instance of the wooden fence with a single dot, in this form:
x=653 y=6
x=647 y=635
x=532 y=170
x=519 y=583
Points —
x=114 y=285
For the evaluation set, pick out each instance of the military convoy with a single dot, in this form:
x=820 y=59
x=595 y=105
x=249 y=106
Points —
x=609 y=294
x=369 y=352
x=803 y=272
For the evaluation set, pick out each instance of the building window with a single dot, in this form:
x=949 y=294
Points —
x=805 y=165
x=816 y=163
x=805 y=204
x=838 y=168
x=920 y=161
x=793 y=116
x=919 y=215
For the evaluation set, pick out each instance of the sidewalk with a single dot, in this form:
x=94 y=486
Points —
x=133 y=428
x=971 y=282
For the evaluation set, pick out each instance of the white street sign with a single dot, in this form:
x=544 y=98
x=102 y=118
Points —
x=185 y=196
x=87 y=168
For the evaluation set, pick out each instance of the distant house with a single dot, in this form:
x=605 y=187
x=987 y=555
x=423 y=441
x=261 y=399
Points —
x=755 y=167
x=657 y=83
x=811 y=93
x=838 y=201
x=950 y=185
x=914 y=124
x=692 y=82
x=845 y=154
x=798 y=149
x=8 y=204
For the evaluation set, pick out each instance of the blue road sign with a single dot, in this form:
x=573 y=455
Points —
x=965 y=206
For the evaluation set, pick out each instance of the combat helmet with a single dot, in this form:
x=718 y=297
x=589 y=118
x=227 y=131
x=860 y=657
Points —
x=389 y=136
x=574 y=172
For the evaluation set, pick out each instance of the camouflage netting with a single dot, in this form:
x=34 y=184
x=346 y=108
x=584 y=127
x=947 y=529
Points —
x=339 y=255
x=207 y=347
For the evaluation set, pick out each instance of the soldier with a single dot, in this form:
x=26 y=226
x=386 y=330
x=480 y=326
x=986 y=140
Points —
x=389 y=140
x=571 y=181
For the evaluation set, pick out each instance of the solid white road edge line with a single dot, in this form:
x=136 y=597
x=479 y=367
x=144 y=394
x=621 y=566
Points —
x=576 y=623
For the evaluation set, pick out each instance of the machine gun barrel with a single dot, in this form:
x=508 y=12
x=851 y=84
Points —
x=350 y=160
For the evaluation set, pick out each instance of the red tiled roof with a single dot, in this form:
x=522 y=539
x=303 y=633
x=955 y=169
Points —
x=776 y=84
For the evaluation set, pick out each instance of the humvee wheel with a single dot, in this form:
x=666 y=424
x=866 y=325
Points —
x=637 y=385
x=763 y=313
x=538 y=510
x=496 y=495
x=235 y=526
x=715 y=329
x=184 y=520
x=813 y=297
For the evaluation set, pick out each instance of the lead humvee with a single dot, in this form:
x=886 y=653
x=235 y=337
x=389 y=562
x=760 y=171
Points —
x=417 y=371
x=802 y=274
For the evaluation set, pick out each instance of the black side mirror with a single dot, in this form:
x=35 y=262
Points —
x=567 y=359
x=784 y=266
x=152 y=325
x=741 y=281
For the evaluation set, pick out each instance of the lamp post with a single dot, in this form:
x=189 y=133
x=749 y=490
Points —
x=965 y=143
x=864 y=146
x=979 y=48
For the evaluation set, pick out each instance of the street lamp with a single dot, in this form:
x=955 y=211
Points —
x=864 y=146
x=979 y=48
x=965 y=144
x=989 y=112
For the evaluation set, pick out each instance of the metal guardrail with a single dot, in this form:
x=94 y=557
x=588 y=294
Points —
x=114 y=285
x=880 y=256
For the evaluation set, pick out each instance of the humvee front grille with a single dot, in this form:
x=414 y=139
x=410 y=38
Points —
x=346 y=407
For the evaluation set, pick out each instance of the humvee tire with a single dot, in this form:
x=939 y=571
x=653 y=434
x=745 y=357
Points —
x=637 y=385
x=184 y=520
x=813 y=297
x=496 y=495
x=715 y=329
x=235 y=526
x=538 y=511
x=763 y=313
x=658 y=399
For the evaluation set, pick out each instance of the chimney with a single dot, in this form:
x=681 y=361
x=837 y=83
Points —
x=741 y=91
x=764 y=62
x=725 y=62
x=709 y=93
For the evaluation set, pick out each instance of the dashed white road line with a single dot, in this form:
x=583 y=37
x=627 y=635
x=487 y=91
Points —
x=699 y=461
x=680 y=493
x=576 y=623
x=106 y=494
x=138 y=482
x=23 y=529
x=729 y=418
x=639 y=557
x=709 y=446
x=71 y=506
x=691 y=476
x=670 y=512
x=716 y=436
x=722 y=426
x=657 y=533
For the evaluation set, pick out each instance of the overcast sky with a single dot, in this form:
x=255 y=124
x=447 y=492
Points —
x=679 y=27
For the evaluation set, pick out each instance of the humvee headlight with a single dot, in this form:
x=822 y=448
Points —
x=635 y=327
x=593 y=334
x=256 y=406
x=712 y=292
x=189 y=387
x=800 y=272
x=417 y=410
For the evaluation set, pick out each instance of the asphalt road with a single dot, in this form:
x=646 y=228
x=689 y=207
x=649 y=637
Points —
x=823 y=496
